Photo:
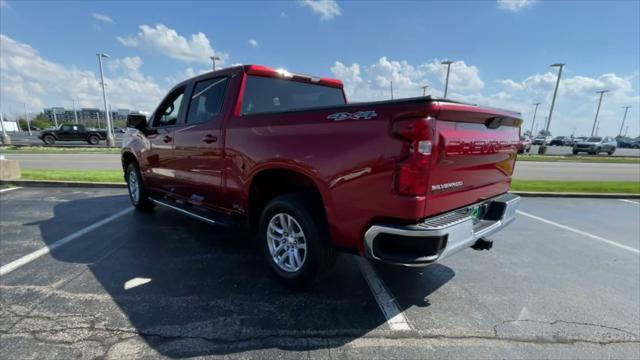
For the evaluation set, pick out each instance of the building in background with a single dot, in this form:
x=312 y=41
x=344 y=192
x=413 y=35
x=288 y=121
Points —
x=84 y=114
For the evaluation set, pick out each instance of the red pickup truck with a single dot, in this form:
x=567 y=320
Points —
x=405 y=182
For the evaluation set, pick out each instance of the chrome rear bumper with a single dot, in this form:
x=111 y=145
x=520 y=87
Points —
x=435 y=238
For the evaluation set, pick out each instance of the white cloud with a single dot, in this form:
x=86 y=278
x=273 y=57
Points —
x=327 y=9
x=373 y=82
x=253 y=43
x=103 y=18
x=575 y=104
x=166 y=41
x=27 y=78
x=515 y=5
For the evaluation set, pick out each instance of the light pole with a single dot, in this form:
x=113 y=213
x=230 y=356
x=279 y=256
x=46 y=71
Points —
x=535 y=111
x=626 y=108
x=424 y=90
x=595 y=121
x=543 y=148
x=6 y=140
x=26 y=118
x=391 y=85
x=446 y=82
x=75 y=113
x=55 y=117
x=214 y=58
x=110 y=141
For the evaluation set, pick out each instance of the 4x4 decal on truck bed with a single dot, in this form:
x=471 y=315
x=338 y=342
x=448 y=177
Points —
x=355 y=116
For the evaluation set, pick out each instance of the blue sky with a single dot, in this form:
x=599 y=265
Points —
x=502 y=49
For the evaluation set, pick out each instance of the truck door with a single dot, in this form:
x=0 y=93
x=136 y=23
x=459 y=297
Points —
x=156 y=163
x=65 y=133
x=198 y=145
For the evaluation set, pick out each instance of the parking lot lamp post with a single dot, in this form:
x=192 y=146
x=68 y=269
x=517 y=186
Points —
x=214 y=58
x=75 y=113
x=55 y=117
x=110 y=141
x=26 y=118
x=543 y=148
x=446 y=82
x=391 y=85
x=626 y=108
x=535 y=111
x=595 y=121
x=6 y=140
x=424 y=90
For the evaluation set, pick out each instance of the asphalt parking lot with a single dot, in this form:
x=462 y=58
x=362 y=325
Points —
x=562 y=282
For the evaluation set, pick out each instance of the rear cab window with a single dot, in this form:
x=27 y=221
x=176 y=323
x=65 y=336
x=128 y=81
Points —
x=268 y=95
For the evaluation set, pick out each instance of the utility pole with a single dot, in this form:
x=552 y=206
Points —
x=214 y=58
x=26 y=118
x=75 y=113
x=391 y=83
x=424 y=90
x=595 y=121
x=543 y=148
x=535 y=111
x=110 y=141
x=6 y=140
x=446 y=82
x=55 y=118
x=626 y=130
x=626 y=108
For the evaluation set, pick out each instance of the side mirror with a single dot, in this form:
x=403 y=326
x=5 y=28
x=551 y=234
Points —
x=137 y=121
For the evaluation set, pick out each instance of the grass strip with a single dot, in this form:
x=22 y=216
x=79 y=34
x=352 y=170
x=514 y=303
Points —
x=57 y=150
x=73 y=175
x=623 y=187
x=581 y=159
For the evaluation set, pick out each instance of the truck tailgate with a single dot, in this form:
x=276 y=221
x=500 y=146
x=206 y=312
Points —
x=473 y=155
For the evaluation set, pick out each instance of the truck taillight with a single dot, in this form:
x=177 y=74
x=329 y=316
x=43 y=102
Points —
x=412 y=172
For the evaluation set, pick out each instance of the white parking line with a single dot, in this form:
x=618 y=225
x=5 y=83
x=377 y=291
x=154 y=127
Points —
x=595 y=237
x=630 y=201
x=9 y=189
x=395 y=318
x=5 y=269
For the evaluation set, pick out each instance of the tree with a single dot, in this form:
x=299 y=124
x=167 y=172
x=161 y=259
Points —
x=544 y=132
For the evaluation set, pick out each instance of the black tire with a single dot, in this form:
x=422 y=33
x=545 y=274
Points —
x=93 y=140
x=575 y=152
x=48 y=139
x=319 y=256
x=611 y=152
x=141 y=202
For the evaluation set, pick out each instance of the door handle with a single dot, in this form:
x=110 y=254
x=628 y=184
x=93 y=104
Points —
x=210 y=139
x=167 y=138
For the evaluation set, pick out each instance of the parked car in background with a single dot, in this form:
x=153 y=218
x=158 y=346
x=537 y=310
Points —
x=72 y=132
x=268 y=149
x=595 y=145
x=561 y=141
x=541 y=140
x=578 y=139
x=524 y=145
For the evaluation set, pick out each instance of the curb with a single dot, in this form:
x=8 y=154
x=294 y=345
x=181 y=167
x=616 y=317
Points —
x=54 y=183
x=577 y=195
x=87 y=184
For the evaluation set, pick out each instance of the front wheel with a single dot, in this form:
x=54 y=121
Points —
x=49 y=139
x=93 y=140
x=575 y=152
x=137 y=192
x=295 y=240
x=610 y=152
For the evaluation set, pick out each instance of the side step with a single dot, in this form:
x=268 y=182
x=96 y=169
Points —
x=197 y=212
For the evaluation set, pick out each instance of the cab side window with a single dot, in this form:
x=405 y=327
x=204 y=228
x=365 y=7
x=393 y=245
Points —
x=65 y=128
x=167 y=114
x=206 y=101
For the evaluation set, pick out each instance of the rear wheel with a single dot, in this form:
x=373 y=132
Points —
x=610 y=152
x=137 y=192
x=295 y=240
x=49 y=139
x=575 y=152
x=93 y=140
